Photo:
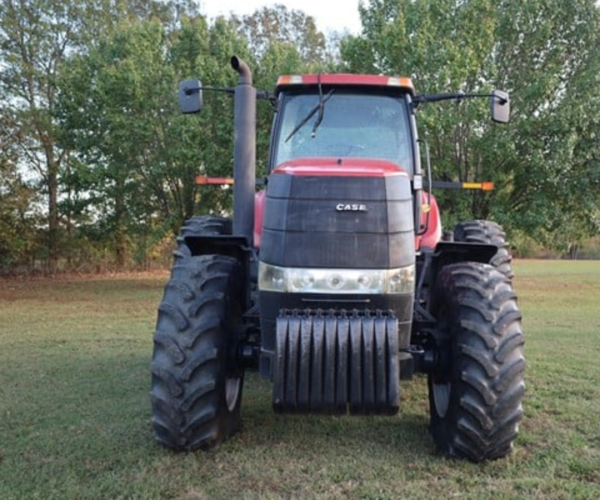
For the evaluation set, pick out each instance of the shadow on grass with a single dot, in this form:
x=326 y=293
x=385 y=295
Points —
x=405 y=433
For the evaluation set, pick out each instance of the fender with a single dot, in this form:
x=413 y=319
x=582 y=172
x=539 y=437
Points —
x=450 y=252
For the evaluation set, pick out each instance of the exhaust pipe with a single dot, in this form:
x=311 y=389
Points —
x=244 y=162
x=242 y=68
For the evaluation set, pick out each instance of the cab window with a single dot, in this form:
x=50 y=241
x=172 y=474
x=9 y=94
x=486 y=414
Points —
x=353 y=125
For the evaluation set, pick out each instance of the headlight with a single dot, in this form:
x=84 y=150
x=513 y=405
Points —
x=343 y=281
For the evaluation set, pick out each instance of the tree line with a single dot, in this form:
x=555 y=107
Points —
x=97 y=166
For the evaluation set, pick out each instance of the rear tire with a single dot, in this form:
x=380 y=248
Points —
x=476 y=396
x=196 y=387
x=491 y=233
x=202 y=225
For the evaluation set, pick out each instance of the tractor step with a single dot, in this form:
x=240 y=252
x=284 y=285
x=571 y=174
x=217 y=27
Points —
x=336 y=362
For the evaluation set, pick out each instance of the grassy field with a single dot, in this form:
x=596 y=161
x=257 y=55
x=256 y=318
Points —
x=74 y=409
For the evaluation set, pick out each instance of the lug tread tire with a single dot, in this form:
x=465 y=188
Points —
x=477 y=308
x=201 y=225
x=488 y=232
x=197 y=321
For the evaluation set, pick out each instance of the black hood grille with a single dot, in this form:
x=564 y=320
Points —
x=338 y=222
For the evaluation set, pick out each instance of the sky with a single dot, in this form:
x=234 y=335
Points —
x=329 y=15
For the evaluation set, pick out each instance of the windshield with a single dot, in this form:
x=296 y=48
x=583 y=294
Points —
x=353 y=125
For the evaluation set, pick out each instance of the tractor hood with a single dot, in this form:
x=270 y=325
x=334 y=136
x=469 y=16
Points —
x=350 y=210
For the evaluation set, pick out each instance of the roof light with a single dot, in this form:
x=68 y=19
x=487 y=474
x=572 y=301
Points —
x=400 y=81
x=290 y=80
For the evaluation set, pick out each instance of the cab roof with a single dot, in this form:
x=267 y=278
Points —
x=286 y=82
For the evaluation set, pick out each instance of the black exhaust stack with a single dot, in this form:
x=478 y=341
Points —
x=244 y=163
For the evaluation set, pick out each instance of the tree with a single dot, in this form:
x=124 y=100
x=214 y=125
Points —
x=545 y=53
x=139 y=157
x=17 y=216
x=279 y=25
x=36 y=37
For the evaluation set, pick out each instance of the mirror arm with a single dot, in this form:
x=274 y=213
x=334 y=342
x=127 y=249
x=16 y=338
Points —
x=195 y=90
x=455 y=97
x=261 y=94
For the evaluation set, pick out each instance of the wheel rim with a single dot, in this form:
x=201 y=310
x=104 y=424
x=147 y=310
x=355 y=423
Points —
x=232 y=391
x=441 y=398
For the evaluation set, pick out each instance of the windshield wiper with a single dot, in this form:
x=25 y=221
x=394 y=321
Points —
x=320 y=107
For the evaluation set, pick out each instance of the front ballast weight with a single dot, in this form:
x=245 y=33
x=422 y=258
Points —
x=336 y=362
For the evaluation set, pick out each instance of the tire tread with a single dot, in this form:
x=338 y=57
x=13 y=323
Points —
x=487 y=365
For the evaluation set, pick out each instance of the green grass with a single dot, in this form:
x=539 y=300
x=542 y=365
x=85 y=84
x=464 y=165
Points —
x=74 y=409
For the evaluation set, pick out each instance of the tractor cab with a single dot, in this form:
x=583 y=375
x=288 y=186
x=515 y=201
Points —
x=343 y=116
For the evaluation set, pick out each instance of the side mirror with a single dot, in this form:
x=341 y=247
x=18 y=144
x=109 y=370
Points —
x=190 y=96
x=500 y=106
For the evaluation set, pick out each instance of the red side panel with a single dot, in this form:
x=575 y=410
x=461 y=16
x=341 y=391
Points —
x=260 y=200
x=430 y=218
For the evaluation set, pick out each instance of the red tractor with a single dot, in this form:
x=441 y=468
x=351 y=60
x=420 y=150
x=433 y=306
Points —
x=335 y=281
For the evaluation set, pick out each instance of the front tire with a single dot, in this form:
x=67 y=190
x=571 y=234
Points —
x=196 y=387
x=476 y=396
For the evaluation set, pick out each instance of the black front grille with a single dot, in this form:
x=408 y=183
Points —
x=343 y=222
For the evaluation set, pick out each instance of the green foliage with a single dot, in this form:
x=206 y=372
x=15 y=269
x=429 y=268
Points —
x=119 y=114
x=36 y=38
x=135 y=158
x=17 y=221
x=279 y=27
x=546 y=53
x=88 y=100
